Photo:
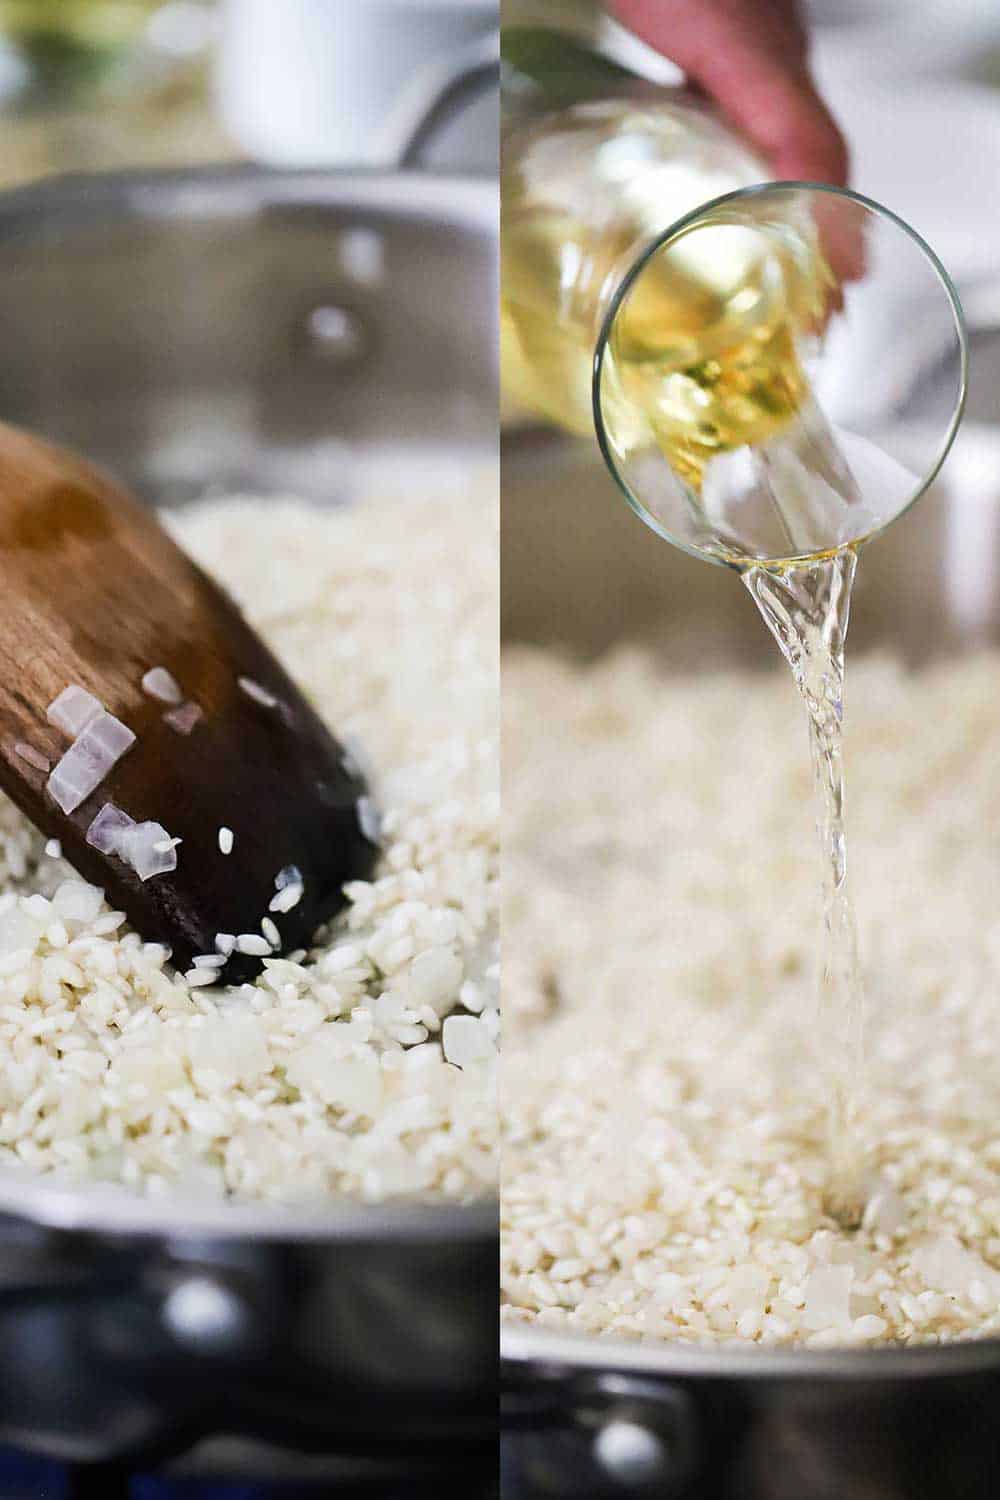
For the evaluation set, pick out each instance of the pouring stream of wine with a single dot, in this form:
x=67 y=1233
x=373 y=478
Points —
x=806 y=607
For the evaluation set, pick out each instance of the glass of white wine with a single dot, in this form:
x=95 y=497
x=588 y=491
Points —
x=761 y=374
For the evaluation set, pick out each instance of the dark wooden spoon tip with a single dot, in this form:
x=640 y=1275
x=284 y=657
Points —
x=96 y=593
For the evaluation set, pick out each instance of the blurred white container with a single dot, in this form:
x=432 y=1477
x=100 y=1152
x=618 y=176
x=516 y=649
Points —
x=306 y=83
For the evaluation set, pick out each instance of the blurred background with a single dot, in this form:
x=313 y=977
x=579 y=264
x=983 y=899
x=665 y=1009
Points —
x=91 y=85
x=101 y=85
x=95 y=85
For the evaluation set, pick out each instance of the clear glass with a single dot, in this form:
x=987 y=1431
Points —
x=760 y=369
x=584 y=189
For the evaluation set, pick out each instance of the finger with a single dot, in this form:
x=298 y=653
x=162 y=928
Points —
x=841 y=224
x=750 y=57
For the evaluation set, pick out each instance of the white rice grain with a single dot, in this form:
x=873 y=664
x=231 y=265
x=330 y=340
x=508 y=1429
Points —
x=259 y=694
x=159 y=683
x=288 y=897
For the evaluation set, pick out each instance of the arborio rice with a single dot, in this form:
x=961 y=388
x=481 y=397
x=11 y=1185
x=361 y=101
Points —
x=326 y=1076
x=663 y=1163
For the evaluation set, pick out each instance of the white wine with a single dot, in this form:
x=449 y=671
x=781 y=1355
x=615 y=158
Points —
x=807 y=608
x=706 y=349
x=581 y=191
x=705 y=342
x=705 y=356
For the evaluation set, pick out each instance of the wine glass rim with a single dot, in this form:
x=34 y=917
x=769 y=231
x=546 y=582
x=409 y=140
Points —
x=678 y=227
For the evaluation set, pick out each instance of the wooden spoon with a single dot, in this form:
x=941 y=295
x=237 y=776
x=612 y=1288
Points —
x=95 y=593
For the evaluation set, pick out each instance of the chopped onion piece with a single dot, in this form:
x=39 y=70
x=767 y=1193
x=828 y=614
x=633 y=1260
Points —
x=225 y=942
x=226 y=840
x=107 y=735
x=158 y=683
x=108 y=828
x=139 y=849
x=290 y=875
x=54 y=849
x=88 y=760
x=32 y=756
x=271 y=932
x=73 y=710
x=183 y=719
x=257 y=693
x=287 y=897
x=252 y=942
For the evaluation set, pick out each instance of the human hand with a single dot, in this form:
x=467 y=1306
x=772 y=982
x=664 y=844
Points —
x=750 y=57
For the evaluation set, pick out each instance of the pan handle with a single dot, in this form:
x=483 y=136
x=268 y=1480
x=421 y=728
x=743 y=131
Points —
x=437 y=96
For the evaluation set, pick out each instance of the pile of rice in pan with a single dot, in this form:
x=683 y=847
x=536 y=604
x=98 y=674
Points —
x=665 y=1151
x=366 y=1067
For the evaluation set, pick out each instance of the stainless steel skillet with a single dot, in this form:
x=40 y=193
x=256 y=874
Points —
x=258 y=331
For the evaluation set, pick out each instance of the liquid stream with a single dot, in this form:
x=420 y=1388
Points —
x=807 y=607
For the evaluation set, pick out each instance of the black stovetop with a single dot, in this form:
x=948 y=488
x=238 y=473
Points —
x=23 y=1477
